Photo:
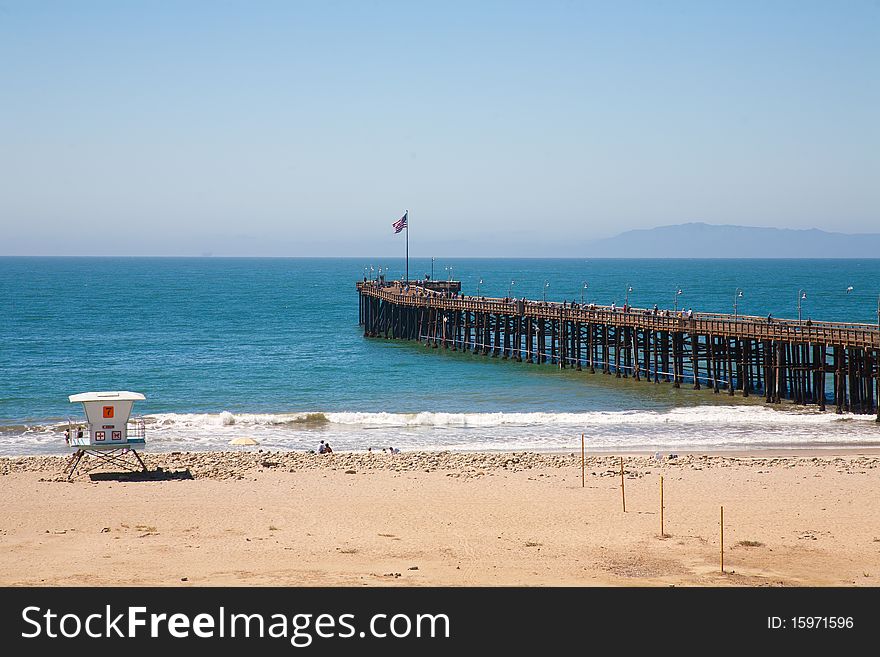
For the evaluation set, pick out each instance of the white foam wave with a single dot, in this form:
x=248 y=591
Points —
x=224 y=419
x=709 y=416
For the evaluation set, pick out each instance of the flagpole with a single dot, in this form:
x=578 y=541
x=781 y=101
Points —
x=407 y=246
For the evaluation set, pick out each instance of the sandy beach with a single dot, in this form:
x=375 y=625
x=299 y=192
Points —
x=457 y=519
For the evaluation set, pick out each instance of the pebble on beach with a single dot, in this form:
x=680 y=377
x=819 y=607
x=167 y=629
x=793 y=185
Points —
x=237 y=464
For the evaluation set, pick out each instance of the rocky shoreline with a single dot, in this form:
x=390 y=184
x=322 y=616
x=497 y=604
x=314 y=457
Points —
x=244 y=464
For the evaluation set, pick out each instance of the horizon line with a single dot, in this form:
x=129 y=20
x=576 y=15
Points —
x=395 y=257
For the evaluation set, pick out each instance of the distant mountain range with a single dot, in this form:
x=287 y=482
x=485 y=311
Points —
x=701 y=240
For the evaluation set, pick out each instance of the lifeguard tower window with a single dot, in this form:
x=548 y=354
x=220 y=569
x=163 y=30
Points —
x=107 y=413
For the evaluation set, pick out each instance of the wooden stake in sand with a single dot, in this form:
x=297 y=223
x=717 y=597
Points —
x=662 y=533
x=622 y=488
x=722 y=539
x=583 y=470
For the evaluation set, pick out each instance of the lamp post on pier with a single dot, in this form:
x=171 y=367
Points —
x=675 y=300
x=585 y=286
x=802 y=296
x=510 y=287
x=478 y=286
x=544 y=293
x=736 y=296
x=626 y=297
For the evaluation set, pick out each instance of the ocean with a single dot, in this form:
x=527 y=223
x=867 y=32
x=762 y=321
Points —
x=270 y=348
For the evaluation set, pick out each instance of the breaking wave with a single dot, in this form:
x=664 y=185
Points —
x=744 y=416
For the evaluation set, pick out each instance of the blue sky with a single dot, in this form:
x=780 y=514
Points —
x=507 y=128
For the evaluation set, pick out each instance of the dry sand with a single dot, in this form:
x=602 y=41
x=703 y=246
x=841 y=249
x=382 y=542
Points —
x=257 y=518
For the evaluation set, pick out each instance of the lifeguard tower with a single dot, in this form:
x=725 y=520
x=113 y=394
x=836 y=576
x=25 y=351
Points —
x=109 y=435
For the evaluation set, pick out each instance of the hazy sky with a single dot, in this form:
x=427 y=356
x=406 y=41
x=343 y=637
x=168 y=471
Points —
x=507 y=128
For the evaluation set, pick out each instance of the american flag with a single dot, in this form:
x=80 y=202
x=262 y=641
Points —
x=400 y=224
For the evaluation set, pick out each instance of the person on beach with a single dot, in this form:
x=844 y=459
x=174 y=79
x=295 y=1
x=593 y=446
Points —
x=79 y=432
x=322 y=448
x=67 y=435
x=327 y=448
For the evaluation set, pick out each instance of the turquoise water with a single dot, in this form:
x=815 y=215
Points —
x=271 y=349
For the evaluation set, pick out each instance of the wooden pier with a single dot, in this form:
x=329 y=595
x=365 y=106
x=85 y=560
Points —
x=806 y=362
